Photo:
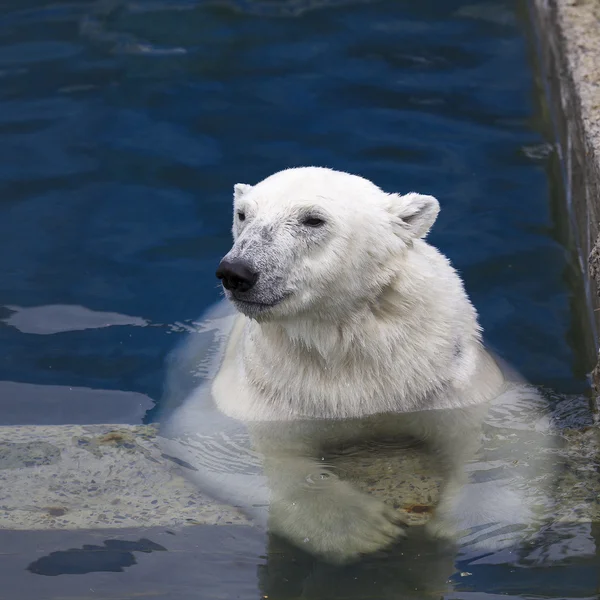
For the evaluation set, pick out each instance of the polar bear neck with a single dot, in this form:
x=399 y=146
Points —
x=423 y=297
x=417 y=337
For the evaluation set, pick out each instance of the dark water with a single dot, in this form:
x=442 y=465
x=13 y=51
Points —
x=124 y=126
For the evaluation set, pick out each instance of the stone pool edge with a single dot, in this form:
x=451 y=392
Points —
x=568 y=36
x=118 y=477
x=115 y=476
x=72 y=477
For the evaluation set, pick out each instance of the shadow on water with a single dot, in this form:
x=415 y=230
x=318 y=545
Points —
x=114 y=555
x=123 y=127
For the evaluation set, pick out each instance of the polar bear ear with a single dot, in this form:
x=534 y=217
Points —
x=239 y=189
x=416 y=213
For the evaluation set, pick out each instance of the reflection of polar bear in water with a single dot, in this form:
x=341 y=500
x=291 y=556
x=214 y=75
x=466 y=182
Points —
x=351 y=328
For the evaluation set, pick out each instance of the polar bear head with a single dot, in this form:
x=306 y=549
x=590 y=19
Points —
x=316 y=241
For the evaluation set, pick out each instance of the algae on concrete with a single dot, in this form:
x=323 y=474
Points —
x=96 y=476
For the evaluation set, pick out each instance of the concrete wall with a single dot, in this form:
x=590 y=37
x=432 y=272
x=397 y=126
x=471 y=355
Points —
x=568 y=33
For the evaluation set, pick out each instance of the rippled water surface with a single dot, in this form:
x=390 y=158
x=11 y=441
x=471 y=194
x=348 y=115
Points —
x=125 y=125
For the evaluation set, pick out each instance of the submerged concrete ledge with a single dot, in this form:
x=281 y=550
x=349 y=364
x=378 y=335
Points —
x=69 y=477
x=100 y=477
x=569 y=38
x=96 y=476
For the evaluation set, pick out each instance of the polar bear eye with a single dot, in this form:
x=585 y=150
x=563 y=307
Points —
x=241 y=215
x=313 y=221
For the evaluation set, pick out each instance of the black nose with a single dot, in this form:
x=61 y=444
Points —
x=236 y=275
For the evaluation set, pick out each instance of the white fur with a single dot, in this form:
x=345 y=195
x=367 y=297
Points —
x=374 y=320
x=356 y=325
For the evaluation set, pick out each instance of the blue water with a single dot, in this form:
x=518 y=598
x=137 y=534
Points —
x=124 y=126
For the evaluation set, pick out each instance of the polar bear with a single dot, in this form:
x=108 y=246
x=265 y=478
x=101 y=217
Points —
x=342 y=324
